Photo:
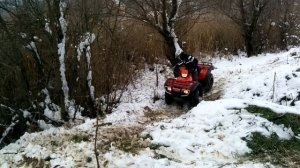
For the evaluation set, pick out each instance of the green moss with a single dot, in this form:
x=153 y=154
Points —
x=274 y=150
x=130 y=147
x=285 y=153
x=77 y=138
x=288 y=120
x=34 y=162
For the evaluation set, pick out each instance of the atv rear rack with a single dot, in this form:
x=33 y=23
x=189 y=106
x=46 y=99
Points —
x=209 y=64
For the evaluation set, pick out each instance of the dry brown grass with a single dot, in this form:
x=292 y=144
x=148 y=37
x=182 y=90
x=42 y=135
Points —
x=37 y=163
x=127 y=139
x=211 y=33
x=130 y=138
x=151 y=116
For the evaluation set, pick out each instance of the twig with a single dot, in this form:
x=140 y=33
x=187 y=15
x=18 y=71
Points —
x=7 y=107
x=96 y=137
x=156 y=73
x=274 y=87
x=103 y=124
x=9 y=128
x=190 y=150
x=9 y=153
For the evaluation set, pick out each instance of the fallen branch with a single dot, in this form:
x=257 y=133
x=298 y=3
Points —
x=103 y=124
x=10 y=128
x=9 y=108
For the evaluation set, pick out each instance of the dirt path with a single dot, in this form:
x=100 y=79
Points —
x=129 y=139
x=217 y=90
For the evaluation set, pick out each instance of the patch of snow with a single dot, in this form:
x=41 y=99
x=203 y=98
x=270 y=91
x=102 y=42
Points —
x=51 y=110
x=210 y=135
x=267 y=77
x=5 y=165
x=47 y=27
x=23 y=35
x=138 y=96
x=43 y=125
x=26 y=114
x=273 y=24
x=36 y=151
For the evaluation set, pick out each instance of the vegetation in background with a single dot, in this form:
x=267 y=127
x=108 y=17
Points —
x=263 y=24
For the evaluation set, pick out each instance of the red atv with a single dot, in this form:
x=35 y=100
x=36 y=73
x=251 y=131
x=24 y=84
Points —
x=183 y=87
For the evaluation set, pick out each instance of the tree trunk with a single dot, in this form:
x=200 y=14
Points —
x=168 y=30
x=170 y=48
x=248 y=43
x=56 y=38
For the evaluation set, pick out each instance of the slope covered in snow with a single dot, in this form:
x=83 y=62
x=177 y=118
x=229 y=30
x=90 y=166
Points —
x=212 y=134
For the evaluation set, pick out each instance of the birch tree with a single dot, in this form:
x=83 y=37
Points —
x=162 y=16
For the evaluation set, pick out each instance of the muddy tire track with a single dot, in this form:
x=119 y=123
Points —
x=217 y=90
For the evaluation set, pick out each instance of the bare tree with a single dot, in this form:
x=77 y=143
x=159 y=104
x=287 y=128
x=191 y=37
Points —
x=35 y=30
x=246 y=14
x=29 y=65
x=86 y=17
x=286 y=20
x=162 y=16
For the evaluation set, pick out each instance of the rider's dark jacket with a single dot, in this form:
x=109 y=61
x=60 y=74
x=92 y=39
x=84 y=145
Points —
x=189 y=61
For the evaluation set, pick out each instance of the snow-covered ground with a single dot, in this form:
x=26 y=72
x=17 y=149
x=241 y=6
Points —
x=210 y=135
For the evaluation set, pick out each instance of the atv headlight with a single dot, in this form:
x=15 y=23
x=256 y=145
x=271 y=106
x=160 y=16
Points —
x=184 y=75
x=185 y=91
x=169 y=88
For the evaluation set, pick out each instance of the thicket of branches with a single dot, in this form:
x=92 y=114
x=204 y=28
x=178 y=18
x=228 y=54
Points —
x=59 y=58
x=264 y=25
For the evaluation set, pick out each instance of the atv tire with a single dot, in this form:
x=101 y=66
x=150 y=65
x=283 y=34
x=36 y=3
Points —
x=168 y=99
x=208 y=82
x=194 y=100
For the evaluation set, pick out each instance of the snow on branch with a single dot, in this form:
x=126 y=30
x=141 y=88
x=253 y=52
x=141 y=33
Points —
x=84 y=47
x=11 y=126
x=51 y=110
x=62 y=52
x=171 y=26
x=47 y=26
x=9 y=108
x=32 y=46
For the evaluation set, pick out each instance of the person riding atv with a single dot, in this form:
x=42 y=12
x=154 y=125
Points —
x=191 y=81
x=190 y=62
